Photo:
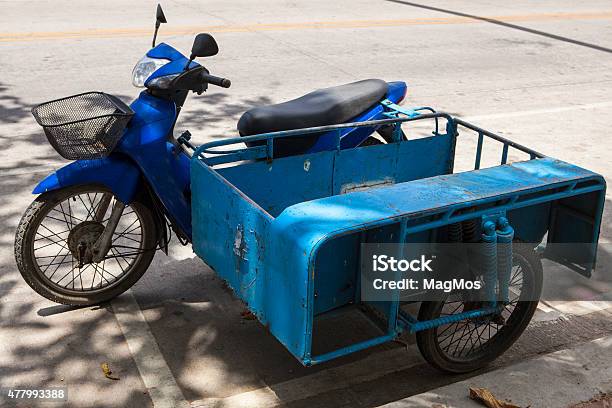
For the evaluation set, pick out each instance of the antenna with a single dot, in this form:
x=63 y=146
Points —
x=159 y=20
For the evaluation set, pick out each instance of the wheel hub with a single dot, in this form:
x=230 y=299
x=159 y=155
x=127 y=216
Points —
x=82 y=238
x=495 y=318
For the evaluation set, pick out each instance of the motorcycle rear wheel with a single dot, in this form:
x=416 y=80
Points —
x=60 y=223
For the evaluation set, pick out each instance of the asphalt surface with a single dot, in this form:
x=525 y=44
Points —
x=539 y=74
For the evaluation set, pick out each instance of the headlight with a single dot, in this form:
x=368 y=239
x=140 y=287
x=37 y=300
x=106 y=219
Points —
x=162 y=82
x=144 y=68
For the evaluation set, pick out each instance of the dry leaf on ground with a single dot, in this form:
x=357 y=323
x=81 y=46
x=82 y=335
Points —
x=107 y=372
x=486 y=398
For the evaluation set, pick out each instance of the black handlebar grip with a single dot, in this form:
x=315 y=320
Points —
x=215 y=80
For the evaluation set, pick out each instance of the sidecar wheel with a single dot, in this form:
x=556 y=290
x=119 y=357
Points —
x=60 y=223
x=469 y=345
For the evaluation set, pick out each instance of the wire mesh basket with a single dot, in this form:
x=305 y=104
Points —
x=83 y=126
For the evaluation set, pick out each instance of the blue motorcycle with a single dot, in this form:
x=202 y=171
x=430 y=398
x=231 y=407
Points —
x=97 y=222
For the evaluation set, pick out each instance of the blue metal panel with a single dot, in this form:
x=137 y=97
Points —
x=289 y=290
x=319 y=217
x=283 y=182
x=576 y=220
x=336 y=273
x=119 y=174
x=392 y=163
x=175 y=66
x=230 y=233
x=531 y=222
x=166 y=170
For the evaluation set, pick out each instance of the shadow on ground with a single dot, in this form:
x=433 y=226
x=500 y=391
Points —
x=211 y=115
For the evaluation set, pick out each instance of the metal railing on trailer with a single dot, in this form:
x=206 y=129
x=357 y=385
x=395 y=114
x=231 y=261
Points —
x=210 y=153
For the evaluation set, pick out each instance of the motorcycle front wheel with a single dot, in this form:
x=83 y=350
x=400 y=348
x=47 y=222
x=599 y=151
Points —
x=58 y=229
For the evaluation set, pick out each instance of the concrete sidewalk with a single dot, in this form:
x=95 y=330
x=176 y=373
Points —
x=558 y=379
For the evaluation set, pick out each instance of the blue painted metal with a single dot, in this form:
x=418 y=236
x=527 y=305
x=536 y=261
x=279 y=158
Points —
x=414 y=327
x=505 y=235
x=479 y=151
x=504 y=158
x=349 y=349
x=285 y=232
x=119 y=174
x=489 y=260
x=165 y=168
x=176 y=65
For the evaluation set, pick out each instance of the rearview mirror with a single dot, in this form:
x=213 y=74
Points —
x=204 y=45
x=159 y=19
x=159 y=15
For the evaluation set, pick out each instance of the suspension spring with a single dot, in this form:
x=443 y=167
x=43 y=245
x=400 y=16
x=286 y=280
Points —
x=470 y=231
x=489 y=260
x=455 y=232
x=505 y=235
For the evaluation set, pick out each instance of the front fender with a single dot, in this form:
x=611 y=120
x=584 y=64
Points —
x=117 y=173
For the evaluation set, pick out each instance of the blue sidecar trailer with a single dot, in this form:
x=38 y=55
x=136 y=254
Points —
x=287 y=229
x=286 y=233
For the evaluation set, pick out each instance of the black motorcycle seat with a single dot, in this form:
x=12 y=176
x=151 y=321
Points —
x=328 y=106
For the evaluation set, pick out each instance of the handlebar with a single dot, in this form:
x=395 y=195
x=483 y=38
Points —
x=215 y=80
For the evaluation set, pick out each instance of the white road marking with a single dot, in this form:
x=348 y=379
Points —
x=155 y=373
x=580 y=307
x=374 y=366
x=545 y=307
x=502 y=115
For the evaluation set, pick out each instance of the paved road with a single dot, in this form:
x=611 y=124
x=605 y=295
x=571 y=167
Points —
x=538 y=73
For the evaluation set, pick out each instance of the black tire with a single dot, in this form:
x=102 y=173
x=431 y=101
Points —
x=30 y=267
x=516 y=320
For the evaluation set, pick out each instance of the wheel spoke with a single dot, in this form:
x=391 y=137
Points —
x=49 y=244
x=465 y=327
x=72 y=216
x=457 y=326
x=93 y=279
x=49 y=236
x=55 y=263
x=116 y=258
x=125 y=236
x=56 y=269
x=68 y=224
x=55 y=257
x=52 y=233
x=129 y=226
x=89 y=213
